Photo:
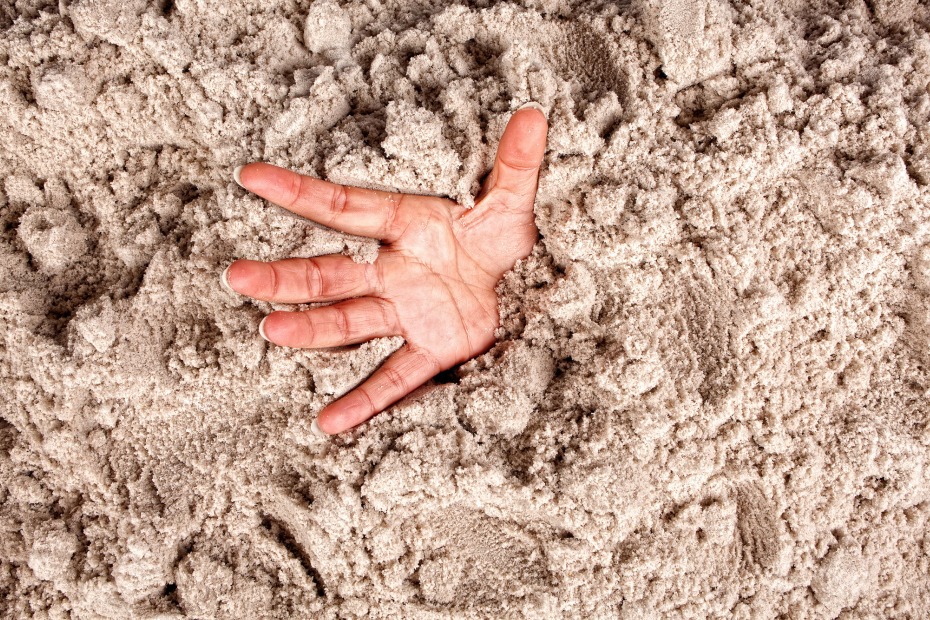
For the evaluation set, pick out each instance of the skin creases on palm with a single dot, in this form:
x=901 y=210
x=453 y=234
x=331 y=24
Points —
x=433 y=281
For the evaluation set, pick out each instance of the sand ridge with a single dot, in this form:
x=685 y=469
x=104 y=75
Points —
x=709 y=397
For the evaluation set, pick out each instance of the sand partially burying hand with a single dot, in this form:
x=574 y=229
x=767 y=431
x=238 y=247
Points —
x=710 y=395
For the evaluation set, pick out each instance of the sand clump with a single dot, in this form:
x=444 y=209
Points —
x=710 y=394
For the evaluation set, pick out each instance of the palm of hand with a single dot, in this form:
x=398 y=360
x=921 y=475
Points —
x=433 y=281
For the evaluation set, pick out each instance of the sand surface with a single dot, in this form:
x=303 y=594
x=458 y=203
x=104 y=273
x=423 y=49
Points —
x=710 y=396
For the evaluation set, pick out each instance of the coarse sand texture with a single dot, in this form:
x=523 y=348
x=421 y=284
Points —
x=710 y=394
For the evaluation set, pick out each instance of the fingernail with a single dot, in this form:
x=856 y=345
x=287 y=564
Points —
x=261 y=329
x=534 y=105
x=237 y=176
x=316 y=430
x=224 y=280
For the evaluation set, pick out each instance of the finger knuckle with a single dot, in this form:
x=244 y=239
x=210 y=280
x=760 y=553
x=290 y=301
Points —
x=431 y=361
x=523 y=162
x=296 y=190
x=309 y=328
x=394 y=205
x=376 y=277
x=395 y=379
x=367 y=399
x=274 y=281
x=343 y=327
x=338 y=202
x=387 y=314
x=313 y=277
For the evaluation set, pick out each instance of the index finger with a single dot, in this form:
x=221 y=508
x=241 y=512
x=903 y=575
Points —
x=355 y=210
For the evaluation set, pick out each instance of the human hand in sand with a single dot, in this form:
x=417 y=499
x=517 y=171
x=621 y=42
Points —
x=432 y=283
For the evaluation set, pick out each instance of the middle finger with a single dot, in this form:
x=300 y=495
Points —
x=298 y=280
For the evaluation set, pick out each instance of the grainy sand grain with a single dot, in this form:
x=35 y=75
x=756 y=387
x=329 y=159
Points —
x=710 y=394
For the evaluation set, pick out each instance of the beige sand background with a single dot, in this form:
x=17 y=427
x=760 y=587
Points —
x=710 y=394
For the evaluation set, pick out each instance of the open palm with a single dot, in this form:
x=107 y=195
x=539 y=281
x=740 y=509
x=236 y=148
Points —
x=433 y=281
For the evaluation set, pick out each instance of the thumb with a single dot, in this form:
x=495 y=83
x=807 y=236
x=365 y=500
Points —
x=520 y=152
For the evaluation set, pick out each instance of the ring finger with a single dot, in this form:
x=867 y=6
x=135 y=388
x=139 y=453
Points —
x=348 y=322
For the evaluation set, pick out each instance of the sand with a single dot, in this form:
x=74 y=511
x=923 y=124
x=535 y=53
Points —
x=710 y=394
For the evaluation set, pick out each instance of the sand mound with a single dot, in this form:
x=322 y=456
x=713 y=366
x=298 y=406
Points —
x=710 y=397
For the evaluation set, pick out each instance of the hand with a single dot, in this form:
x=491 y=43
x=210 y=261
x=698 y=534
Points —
x=432 y=283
